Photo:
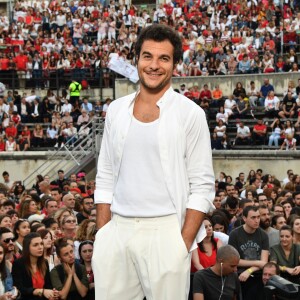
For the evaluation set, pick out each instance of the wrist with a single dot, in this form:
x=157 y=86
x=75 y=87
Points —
x=282 y=268
x=250 y=271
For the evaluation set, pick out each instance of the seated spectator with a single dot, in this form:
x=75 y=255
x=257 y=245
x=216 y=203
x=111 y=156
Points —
x=51 y=136
x=67 y=118
x=2 y=144
x=209 y=283
x=244 y=65
x=83 y=118
x=11 y=130
x=24 y=110
x=205 y=255
x=230 y=106
x=243 y=136
x=220 y=68
x=289 y=143
x=215 y=142
x=276 y=131
x=241 y=106
x=253 y=94
x=37 y=136
x=232 y=65
x=88 y=107
x=239 y=90
x=271 y=104
x=221 y=115
x=10 y=145
x=46 y=110
x=69 y=278
x=268 y=63
x=288 y=106
x=71 y=134
x=220 y=129
x=217 y=97
x=36 y=111
x=194 y=68
x=31 y=272
x=259 y=133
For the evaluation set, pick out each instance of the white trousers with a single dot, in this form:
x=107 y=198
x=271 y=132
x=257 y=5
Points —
x=137 y=257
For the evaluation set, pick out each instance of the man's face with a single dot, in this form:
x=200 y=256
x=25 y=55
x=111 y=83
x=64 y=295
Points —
x=232 y=211
x=69 y=201
x=51 y=207
x=230 y=190
x=156 y=65
x=61 y=175
x=73 y=177
x=88 y=204
x=242 y=177
x=6 y=178
x=252 y=220
x=263 y=200
x=268 y=272
x=264 y=218
x=7 y=241
x=230 y=266
x=56 y=196
x=222 y=195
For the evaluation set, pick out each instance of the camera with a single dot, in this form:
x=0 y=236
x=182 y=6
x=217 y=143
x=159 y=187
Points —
x=281 y=288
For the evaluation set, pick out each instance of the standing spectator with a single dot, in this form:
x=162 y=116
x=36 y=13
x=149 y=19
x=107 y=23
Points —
x=252 y=243
x=24 y=110
x=74 y=88
x=259 y=132
x=21 y=61
x=264 y=91
x=243 y=136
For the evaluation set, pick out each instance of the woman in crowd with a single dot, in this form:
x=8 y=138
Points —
x=21 y=229
x=81 y=234
x=205 y=255
x=287 y=255
x=275 y=135
x=5 y=221
x=294 y=222
x=28 y=208
x=68 y=226
x=7 y=290
x=49 y=254
x=61 y=213
x=85 y=254
x=38 y=136
x=31 y=271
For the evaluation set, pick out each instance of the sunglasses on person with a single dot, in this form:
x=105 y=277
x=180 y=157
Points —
x=8 y=240
x=70 y=221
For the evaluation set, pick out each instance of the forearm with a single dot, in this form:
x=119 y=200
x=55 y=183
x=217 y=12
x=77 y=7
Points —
x=103 y=214
x=249 y=263
x=192 y=223
x=82 y=289
x=65 y=291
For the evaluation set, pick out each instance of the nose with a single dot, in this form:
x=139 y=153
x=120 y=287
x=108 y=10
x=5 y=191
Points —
x=154 y=64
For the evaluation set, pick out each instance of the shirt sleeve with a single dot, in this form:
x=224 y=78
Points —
x=55 y=280
x=198 y=283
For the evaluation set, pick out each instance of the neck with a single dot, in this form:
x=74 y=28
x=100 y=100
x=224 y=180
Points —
x=248 y=229
x=206 y=239
x=216 y=269
x=287 y=248
x=20 y=240
x=33 y=260
x=149 y=96
x=88 y=264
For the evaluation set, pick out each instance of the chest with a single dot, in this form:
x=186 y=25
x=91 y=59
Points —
x=146 y=113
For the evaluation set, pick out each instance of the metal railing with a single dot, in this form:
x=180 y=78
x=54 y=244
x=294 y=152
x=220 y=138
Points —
x=73 y=156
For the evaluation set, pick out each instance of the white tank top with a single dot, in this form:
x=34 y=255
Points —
x=141 y=190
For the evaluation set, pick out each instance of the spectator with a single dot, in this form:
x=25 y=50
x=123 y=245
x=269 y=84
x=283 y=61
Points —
x=36 y=111
x=37 y=136
x=241 y=106
x=230 y=106
x=253 y=94
x=244 y=65
x=289 y=143
x=259 y=133
x=217 y=97
x=10 y=145
x=30 y=287
x=275 y=135
x=11 y=130
x=288 y=106
x=69 y=278
x=271 y=104
x=243 y=136
x=264 y=91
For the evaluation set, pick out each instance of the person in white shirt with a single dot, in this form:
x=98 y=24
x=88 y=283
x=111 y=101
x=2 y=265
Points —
x=155 y=181
x=243 y=136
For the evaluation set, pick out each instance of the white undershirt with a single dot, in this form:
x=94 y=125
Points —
x=141 y=190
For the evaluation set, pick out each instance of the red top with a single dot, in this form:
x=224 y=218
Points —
x=205 y=260
x=38 y=280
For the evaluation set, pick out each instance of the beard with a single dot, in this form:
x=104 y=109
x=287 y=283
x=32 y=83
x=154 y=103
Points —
x=265 y=224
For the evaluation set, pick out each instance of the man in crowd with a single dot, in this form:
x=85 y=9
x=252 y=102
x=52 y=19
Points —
x=51 y=207
x=56 y=194
x=252 y=243
x=87 y=205
x=7 y=239
x=259 y=132
x=243 y=136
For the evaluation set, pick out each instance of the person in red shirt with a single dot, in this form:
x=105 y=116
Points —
x=11 y=130
x=259 y=133
x=21 y=62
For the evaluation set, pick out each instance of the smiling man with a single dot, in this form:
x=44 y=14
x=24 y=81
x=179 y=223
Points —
x=154 y=183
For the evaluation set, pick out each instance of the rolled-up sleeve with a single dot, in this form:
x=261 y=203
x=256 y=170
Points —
x=104 y=177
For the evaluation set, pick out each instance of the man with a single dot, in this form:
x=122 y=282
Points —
x=252 y=243
x=288 y=106
x=270 y=269
x=183 y=89
x=217 y=97
x=69 y=202
x=61 y=179
x=51 y=207
x=264 y=90
x=243 y=136
x=74 y=88
x=86 y=106
x=56 y=195
x=265 y=224
x=259 y=132
x=11 y=130
x=6 y=180
x=177 y=171
x=278 y=221
x=211 y=283
x=296 y=198
x=240 y=184
x=7 y=240
x=289 y=172
x=87 y=205
x=69 y=278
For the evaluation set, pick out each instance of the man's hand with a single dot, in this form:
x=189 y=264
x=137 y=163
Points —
x=244 y=276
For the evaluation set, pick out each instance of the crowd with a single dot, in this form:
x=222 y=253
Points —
x=53 y=224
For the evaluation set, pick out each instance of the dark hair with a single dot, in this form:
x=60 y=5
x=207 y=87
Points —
x=219 y=219
x=35 y=227
x=61 y=243
x=247 y=209
x=232 y=202
x=17 y=225
x=48 y=222
x=3 y=216
x=3 y=268
x=41 y=262
x=271 y=264
x=160 y=33
x=83 y=244
x=288 y=228
x=212 y=240
x=43 y=233
x=4 y=230
x=8 y=203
